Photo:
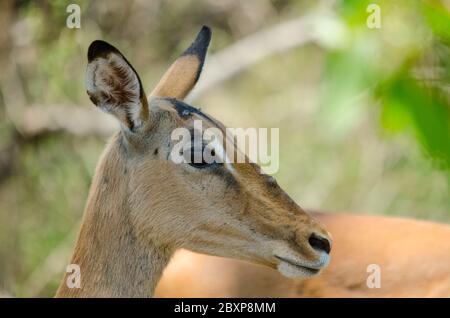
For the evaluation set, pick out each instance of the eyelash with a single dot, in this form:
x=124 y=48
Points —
x=203 y=164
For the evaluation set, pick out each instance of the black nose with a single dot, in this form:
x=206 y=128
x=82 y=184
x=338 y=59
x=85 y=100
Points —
x=319 y=243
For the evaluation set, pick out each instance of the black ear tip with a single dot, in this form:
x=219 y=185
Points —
x=205 y=32
x=204 y=36
x=200 y=44
x=99 y=48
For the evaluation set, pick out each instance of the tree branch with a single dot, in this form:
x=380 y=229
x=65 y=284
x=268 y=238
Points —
x=79 y=121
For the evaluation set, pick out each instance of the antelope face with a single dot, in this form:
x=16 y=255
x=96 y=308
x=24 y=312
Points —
x=224 y=209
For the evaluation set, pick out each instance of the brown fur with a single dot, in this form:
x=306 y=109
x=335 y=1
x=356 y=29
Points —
x=142 y=206
x=414 y=257
x=179 y=79
x=114 y=260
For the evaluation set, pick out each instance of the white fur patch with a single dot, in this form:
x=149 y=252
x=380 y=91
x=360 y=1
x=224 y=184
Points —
x=280 y=249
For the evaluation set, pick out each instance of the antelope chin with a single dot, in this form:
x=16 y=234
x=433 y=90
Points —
x=296 y=269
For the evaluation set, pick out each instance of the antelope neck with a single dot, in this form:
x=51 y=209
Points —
x=113 y=260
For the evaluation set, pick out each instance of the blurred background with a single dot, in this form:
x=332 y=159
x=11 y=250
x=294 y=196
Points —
x=362 y=105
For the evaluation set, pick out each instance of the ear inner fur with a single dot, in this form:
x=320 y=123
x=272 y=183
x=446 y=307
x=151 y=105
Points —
x=114 y=86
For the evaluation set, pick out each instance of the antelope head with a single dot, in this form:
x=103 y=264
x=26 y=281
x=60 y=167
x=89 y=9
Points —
x=224 y=209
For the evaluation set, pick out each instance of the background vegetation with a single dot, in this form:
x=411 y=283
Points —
x=363 y=113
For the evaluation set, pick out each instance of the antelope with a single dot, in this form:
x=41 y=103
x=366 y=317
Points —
x=412 y=256
x=142 y=206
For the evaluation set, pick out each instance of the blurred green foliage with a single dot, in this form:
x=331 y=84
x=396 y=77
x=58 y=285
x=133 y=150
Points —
x=395 y=71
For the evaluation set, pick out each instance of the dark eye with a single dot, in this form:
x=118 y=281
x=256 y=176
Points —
x=200 y=165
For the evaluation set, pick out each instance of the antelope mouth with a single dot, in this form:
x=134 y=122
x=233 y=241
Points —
x=292 y=269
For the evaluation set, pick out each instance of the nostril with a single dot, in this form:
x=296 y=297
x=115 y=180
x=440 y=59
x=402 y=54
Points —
x=319 y=243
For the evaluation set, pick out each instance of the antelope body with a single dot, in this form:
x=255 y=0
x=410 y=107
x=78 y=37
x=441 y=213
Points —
x=142 y=206
x=413 y=258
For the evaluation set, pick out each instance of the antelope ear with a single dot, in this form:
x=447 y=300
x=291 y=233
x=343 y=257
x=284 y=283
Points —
x=182 y=75
x=113 y=85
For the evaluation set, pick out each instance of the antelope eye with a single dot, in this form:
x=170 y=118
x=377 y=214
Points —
x=195 y=158
x=200 y=165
